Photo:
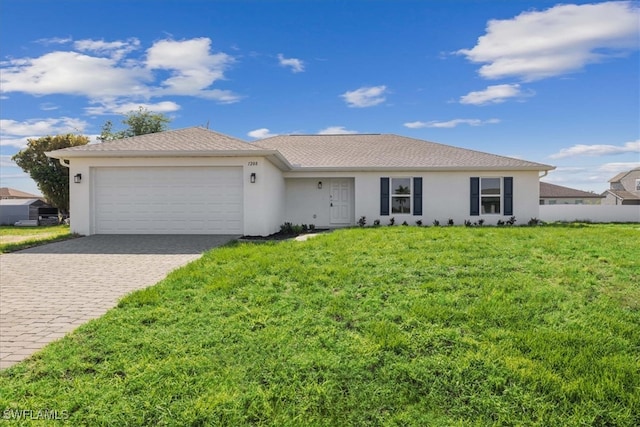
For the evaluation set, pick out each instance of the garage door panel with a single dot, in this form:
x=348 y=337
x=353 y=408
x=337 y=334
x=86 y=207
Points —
x=177 y=200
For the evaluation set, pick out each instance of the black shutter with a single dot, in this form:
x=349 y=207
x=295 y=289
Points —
x=508 y=195
x=475 y=197
x=417 y=196
x=384 y=196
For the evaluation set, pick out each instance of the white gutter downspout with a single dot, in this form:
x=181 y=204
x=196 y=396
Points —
x=545 y=174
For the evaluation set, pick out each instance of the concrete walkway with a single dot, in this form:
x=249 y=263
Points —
x=47 y=291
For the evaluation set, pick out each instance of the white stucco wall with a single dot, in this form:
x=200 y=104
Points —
x=263 y=200
x=294 y=197
x=306 y=203
x=445 y=195
x=590 y=213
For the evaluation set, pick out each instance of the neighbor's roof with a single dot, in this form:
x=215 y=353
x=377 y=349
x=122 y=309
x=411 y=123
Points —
x=622 y=194
x=621 y=175
x=18 y=202
x=558 y=192
x=6 y=192
x=384 y=151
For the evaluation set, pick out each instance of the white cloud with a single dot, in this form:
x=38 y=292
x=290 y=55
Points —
x=297 y=65
x=336 y=130
x=615 y=168
x=492 y=94
x=42 y=126
x=365 y=96
x=563 y=39
x=450 y=123
x=115 y=108
x=597 y=150
x=102 y=70
x=261 y=133
x=73 y=73
x=193 y=68
x=15 y=134
x=47 y=106
x=6 y=162
x=54 y=40
x=115 y=50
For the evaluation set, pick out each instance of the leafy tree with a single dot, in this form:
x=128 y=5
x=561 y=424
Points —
x=51 y=177
x=139 y=122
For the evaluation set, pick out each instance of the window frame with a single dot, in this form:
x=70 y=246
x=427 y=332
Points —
x=393 y=195
x=499 y=196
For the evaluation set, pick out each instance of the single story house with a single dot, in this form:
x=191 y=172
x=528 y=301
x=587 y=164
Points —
x=196 y=181
x=14 y=210
x=552 y=194
x=624 y=189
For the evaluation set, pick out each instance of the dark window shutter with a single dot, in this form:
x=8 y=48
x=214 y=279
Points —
x=384 y=196
x=508 y=195
x=417 y=196
x=475 y=196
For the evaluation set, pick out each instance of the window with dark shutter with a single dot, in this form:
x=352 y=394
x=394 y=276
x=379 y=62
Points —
x=417 y=196
x=475 y=197
x=508 y=195
x=384 y=196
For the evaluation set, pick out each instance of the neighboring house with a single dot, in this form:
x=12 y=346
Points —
x=10 y=193
x=14 y=210
x=624 y=189
x=552 y=194
x=196 y=181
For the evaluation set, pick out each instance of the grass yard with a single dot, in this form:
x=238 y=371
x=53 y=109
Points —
x=397 y=326
x=16 y=238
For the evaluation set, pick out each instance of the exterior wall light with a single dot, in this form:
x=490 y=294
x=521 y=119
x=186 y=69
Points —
x=319 y=185
x=77 y=178
x=252 y=178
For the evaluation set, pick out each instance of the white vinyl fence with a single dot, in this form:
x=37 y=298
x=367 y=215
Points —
x=590 y=213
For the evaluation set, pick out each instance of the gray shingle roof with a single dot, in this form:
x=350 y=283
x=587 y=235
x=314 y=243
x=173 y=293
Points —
x=621 y=175
x=558 y=192
x=384 y=151
x=337 y=152
x=189 y=139
x=11 y=193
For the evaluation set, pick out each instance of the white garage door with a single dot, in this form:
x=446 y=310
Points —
x=168 y=200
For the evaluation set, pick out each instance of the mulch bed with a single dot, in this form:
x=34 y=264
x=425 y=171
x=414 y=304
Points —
x=277 y=236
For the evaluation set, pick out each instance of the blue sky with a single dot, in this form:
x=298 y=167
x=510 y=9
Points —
x=539 y=80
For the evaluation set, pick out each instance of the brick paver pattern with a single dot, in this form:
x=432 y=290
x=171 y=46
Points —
x=47 y=291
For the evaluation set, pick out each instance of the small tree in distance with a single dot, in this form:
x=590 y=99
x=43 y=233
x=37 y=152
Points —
x=139 y=122
x=51 y=177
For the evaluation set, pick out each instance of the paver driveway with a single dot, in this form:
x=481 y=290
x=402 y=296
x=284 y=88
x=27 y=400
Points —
x=47 y=291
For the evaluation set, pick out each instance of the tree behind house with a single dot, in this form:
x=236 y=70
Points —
x=51 y=177
x=139 y=122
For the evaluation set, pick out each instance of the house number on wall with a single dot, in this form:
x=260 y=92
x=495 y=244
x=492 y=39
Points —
x=252 y=163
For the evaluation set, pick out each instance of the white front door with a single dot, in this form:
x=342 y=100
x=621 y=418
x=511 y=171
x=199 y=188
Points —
x=340 y=201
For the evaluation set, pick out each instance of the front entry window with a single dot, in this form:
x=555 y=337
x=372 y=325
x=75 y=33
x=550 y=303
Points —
x=401 y=195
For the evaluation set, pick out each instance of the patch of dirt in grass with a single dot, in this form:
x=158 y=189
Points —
x=23 y=238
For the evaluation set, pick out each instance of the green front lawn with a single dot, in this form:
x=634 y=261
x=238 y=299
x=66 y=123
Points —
x=15 y=238
x=375 y=326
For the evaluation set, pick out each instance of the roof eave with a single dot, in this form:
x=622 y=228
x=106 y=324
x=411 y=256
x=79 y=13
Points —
x=298 y=168
x=274 y=156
